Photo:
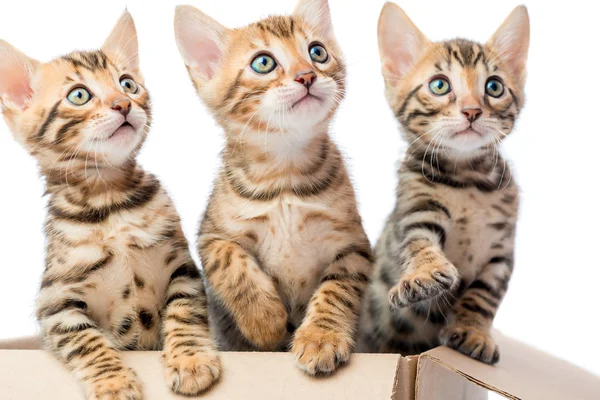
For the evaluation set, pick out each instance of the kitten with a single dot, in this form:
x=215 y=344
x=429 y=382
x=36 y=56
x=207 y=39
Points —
x=445 y=256
x=282 y=245
x=119 y=274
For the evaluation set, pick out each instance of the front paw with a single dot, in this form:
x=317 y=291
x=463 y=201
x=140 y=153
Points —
x=424 y=284
x=190 y=375
x=122 y=386
x=472 y=341
x=320 y=351
x=266 y=325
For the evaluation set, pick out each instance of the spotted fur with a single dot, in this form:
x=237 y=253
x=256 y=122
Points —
x=284 y=252
x=445 y=256
x=119 y=275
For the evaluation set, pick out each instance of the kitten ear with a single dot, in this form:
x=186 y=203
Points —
x=16 y=73
x=317 y=14
x=201 y=41
x=400 y=41
x=511 y=41
x=122 y=43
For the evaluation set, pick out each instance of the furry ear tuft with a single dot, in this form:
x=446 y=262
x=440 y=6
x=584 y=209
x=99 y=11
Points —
x=16 y=73
x=401 y=43
x=317 y=14
x=201 y=41
x=122 y=43
x=511 y=42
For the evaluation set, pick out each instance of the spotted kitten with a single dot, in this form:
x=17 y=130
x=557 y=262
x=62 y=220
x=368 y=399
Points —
x=445 y=256
x=282 y=245
x=118 y=274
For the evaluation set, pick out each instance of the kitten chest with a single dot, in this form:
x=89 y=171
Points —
x=294 y=248
x=125 y=295
x=482 y=227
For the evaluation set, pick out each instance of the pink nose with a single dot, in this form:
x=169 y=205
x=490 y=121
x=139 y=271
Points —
x=472 y=113
x=306 y=78
x=123 y=106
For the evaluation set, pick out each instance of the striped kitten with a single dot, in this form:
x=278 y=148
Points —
x=445 y=256
x=284 y=252
x=118 y=274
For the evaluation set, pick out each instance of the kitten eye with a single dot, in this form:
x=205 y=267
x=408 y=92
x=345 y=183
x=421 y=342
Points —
x=79 y=96
x=439 y=86
x=129 y=85
x=263 y=64
x=494 y=87
x=318 y=53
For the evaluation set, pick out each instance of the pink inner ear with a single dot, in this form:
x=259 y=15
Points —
x=15 y=86
x=205 y=55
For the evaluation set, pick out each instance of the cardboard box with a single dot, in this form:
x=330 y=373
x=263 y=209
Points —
x=441 y=373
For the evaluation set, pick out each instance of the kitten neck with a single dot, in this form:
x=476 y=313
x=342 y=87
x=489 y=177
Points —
x=93 y=180
x=486 y=167
x=267 y=151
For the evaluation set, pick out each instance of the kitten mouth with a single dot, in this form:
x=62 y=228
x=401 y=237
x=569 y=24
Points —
x=125 y=128
x=304 y=99
x=469 y=131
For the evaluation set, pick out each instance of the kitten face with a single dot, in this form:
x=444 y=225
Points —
x=458 y=96
x=277 y=75
x=87 y=109
x=462 y=101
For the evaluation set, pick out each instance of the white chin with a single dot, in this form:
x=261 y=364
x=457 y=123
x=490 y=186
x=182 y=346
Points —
x=466 y=142
x=309 y=111
x=117 y=148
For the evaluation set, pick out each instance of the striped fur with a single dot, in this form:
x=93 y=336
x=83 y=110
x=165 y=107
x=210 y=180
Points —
x=119 y=274
x=445 y=256
x=284 y=252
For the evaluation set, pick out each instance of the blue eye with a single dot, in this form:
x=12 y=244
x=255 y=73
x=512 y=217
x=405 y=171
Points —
x=494 y=87
x=318 y=53
x=263 y=64
x=439 y=86
x=79 y=96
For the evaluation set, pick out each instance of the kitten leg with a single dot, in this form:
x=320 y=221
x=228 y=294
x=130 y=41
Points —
x=76 y=341
x=189 y=352
x=245 y=291
x=326 y=337
x=475 y=311
x=425 y=270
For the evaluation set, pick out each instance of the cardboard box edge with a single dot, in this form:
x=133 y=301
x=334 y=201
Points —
x=404 y=379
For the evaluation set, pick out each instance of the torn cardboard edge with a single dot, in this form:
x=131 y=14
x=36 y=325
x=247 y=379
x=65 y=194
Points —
x=439 y=374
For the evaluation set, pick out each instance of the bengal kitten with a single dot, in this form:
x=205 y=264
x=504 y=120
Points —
x=119 y=274
x=445 y=256
x=282 y=245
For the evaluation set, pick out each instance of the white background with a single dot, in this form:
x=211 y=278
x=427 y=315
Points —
x=552 y=302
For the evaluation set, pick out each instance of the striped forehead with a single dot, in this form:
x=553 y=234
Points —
x=94 y=64
x=284 y=36
x=464 y=57
x=280 y=27
x=464 y=54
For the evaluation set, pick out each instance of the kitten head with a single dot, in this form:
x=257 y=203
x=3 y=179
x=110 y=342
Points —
x=281 y=74
x=457 y=96
x=87 y=109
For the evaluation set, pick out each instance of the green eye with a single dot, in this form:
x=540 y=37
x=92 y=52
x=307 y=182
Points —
x=318 y=53
x=129 y=85
x=79 y=96
x=263 y=64
x=494 y=87
x=439 y=86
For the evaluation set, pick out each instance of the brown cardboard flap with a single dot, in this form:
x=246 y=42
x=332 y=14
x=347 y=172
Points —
x=443 y=383
x=404 y=381
x=245 y=376
x=522 y=373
